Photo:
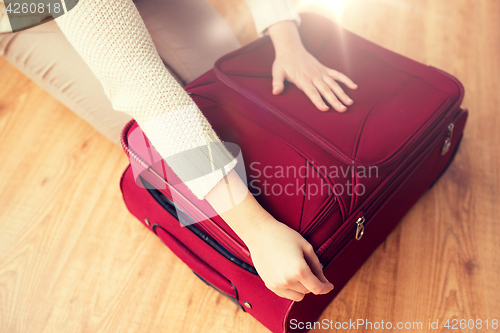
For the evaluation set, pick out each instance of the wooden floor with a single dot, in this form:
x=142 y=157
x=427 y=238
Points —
x=72 y=259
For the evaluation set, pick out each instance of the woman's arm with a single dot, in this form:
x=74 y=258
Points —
x=293 y=63
x=113 y=40
x=283 y=258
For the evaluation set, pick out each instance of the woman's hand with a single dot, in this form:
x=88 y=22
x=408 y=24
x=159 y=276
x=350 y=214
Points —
x=285 y=261
x=293 y=63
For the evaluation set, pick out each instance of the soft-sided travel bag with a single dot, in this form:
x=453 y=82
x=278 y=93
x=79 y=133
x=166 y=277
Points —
x=343 y=180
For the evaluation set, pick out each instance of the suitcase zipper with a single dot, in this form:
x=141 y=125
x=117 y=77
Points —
x=359 y=226
x=445 y=148
x=447 y=141
x=431 y=143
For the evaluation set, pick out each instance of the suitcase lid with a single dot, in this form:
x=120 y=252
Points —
x=397 y=101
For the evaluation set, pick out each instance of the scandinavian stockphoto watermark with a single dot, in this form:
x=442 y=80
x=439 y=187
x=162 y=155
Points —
x=25 y=14
x=428 y=325
x=291 y=180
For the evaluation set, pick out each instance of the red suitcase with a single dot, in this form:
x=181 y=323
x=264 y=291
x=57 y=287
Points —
x=405 y=125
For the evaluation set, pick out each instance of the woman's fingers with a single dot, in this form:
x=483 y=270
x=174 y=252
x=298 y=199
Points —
x=321 y=87
x=342 y=78
x=337 y=89
x=298 y=287
x=278 y=81
x=313 y=278
x=292 y=289
x=310 y=90
x=315 y=265
x=296 y=290
x=329 y=95
x=291 y=294
x=298 y=296
x=313 y=78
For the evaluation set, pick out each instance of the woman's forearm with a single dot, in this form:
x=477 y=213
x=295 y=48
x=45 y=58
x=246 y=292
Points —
x=268 y=12
x=285 y=37
x=285 y=261
x=113 y=40
x=236 y=205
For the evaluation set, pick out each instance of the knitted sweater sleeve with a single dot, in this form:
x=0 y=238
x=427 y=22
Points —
x=113 y=40
x=268 y=12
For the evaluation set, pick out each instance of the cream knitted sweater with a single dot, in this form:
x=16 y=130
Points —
x=113 y=40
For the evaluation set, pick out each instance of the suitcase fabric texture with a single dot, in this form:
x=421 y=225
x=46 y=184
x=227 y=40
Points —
x=351 y=176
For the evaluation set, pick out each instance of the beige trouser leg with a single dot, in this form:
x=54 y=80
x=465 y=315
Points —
x=188 y=34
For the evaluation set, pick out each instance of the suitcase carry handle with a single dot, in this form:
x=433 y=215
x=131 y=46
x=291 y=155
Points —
x=200 y=267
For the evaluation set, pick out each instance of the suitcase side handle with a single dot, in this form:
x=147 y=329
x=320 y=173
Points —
x=200 y=267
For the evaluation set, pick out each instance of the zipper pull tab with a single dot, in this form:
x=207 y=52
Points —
x=447 y=142
x=360 y=228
